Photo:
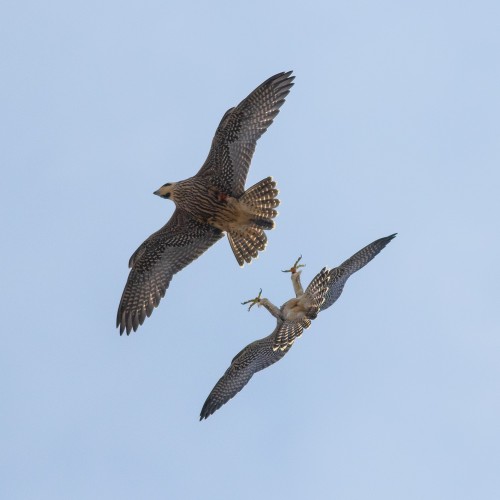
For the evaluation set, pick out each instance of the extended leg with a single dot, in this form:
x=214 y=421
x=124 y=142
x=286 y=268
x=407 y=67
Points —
x=275 y=311
x=294 y=270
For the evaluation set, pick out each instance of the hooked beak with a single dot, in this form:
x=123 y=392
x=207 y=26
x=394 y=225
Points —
x=164 y=192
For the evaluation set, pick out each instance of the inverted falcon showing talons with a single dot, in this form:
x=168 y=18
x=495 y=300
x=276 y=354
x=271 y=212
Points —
x=291 y=318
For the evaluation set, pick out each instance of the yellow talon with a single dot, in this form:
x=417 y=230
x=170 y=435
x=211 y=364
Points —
x=252 y=302
x=295 y=267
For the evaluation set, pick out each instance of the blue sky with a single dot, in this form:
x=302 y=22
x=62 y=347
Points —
x=393 y=126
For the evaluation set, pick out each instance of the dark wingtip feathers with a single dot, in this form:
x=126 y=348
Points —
x=283 y=83
x=128 y=323
x=208 y=409
x=387 y=239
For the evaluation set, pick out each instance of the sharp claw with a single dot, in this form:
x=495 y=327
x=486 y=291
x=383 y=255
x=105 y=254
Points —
x=295 y=267
x=252 y=302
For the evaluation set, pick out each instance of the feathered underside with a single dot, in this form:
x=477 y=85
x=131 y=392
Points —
x=311 y=302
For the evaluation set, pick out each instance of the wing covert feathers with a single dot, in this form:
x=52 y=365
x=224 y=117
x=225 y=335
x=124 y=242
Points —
x=154 y=263
x=251 y=359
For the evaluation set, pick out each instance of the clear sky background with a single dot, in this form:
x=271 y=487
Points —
x=393 y=126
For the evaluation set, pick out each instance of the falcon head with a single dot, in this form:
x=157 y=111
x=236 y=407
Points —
x=166 y=190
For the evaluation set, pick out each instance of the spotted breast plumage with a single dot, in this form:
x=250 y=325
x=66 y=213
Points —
x=291 y=319
x=209 y=204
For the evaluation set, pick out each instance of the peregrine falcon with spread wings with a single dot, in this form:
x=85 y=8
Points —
x=209 y=204
x=292 y=317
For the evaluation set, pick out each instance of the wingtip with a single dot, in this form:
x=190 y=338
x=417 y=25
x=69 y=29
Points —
x=125 y=328
x=285 y=77
x=120 y=326
x=205 y=413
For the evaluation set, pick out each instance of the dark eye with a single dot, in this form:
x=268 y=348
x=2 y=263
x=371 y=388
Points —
x=167 y=195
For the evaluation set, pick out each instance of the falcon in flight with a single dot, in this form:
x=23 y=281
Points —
x=291 y=319
x=209 y=204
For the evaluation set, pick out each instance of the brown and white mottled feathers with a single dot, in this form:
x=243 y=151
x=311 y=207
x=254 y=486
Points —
x=251 y=359
x=210 y=203
x=261 y=353
x=153 y=264
x=234 y=142
x=299 y=312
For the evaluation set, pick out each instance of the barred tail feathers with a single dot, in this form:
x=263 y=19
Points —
x=317 y=291
x=247 y=244
x=261 y=201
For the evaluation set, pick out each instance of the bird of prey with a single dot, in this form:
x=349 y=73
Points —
x=208 y=204
x=291 y=318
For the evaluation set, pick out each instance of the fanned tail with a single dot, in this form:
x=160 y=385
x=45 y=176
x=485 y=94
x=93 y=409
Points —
x=246 y=245
x=261 y=202
x=317 y=291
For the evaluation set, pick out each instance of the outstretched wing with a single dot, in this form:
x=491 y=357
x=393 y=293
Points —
x=154 y=263
x=234 y=142
x=253 y=358
x=340 y=274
